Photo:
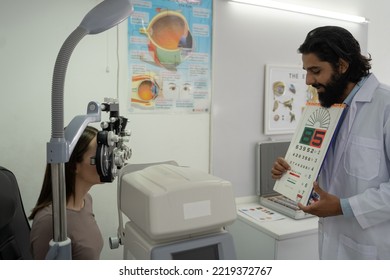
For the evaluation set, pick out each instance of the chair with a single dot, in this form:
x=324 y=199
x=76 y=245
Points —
x=14 y=225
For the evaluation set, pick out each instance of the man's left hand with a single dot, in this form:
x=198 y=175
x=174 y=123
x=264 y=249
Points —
x=327 y=205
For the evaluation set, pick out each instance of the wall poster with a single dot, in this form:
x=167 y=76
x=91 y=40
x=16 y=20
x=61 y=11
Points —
x=169 y=56
x=286 y=94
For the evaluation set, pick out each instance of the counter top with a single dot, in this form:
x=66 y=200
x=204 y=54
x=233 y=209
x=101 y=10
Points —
x=280 y=229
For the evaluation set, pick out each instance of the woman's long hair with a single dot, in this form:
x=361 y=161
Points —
x=46 y=195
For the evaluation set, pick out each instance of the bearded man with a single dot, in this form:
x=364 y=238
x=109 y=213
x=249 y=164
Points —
x=353 y=184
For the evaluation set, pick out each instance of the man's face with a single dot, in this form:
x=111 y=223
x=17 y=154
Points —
x=331 y=85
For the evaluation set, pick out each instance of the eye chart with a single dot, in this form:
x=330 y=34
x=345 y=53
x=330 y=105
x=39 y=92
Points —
x=307 y=151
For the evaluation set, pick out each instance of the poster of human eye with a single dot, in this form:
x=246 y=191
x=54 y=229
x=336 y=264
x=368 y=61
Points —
x=286 y=94
x=169 y=56
x=306 y=152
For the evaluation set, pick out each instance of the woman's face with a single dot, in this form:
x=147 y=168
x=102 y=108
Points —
x=86 y=172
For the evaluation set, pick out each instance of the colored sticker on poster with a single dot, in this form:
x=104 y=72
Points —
x=169 y=56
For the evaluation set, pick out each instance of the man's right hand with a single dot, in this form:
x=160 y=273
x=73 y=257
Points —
x=279 y=168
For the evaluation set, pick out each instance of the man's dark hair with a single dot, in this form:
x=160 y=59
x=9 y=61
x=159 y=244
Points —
x=330 y=43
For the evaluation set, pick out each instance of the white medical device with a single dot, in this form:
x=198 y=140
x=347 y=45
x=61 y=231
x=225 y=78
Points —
x=174 y=212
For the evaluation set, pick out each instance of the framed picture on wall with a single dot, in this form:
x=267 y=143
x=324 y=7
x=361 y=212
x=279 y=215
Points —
x=286 y=94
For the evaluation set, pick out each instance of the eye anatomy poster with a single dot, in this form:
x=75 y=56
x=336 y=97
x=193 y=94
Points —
x=169 y=56
x=307 y=151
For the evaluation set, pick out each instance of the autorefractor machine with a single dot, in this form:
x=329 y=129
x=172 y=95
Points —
x=174 y=212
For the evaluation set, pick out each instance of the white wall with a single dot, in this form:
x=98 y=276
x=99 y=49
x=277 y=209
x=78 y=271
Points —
x=245 y=39
x=248 y=37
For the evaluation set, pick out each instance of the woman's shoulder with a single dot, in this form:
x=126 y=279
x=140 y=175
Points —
x=44 y=214
x=88 y=197
x=88 y=202
x=41 y=232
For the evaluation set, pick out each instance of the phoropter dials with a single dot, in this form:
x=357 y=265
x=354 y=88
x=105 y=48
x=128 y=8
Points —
x=112 y=152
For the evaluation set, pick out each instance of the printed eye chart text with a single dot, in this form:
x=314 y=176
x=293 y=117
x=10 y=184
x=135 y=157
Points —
x=307 y=151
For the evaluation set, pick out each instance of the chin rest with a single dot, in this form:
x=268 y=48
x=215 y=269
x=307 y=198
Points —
x=14 y=225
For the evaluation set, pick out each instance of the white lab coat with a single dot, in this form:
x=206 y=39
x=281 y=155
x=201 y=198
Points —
x=358 y=169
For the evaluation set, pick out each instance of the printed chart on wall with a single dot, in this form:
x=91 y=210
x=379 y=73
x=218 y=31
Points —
x=169 y=56
x=307 y=151
x=286 y=94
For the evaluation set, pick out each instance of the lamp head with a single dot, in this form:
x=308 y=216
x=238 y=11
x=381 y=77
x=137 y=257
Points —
x=105 y=15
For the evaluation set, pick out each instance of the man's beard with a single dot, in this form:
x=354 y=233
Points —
x=333 y=91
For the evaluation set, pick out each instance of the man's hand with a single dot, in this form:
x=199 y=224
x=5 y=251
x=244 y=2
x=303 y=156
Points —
x=327 y=205
x=279 y=168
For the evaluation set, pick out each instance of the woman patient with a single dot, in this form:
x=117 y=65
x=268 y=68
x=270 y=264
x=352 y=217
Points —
x=82 y=229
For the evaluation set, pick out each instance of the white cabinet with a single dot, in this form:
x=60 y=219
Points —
x=285 y=239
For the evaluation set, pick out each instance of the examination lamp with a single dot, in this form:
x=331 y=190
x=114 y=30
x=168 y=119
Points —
x=105 y=15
